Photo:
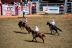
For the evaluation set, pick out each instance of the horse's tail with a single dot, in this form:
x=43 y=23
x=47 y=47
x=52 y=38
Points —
x=59 y=29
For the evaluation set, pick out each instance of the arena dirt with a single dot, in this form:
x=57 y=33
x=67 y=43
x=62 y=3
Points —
x=11 y=36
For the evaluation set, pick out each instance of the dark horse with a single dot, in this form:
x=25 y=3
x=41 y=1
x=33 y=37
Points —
x=40 y=35
x=53 y=27
x=23 y=25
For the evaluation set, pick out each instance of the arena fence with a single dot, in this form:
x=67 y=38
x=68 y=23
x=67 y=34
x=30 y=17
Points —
x=69 y=7
x=60 y=5
x=10 y=9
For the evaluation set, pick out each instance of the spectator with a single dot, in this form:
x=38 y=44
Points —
x=25 y=20
x=25 y=2
x=24 y=15
x=16 y=9
x=33 y=8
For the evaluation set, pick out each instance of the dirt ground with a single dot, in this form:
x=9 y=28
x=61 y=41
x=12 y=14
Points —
x=11 y=36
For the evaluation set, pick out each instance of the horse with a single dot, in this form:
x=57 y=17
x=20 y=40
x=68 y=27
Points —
x=40 y=35
x=53 y=27
x=23 y=25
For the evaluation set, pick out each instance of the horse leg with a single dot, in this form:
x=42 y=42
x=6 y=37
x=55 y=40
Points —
x=51 y=31
x=33 y=38
x=28 y=31
x=21 y=28
x=42 y=39
x=57 y=32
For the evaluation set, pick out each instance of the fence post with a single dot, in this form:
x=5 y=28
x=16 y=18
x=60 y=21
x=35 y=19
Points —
x=65 y=6
x=1 y=8
x=71 y=7
x=38 y=7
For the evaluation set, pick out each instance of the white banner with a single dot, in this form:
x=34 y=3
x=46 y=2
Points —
x=10 y=9
x=51 y=9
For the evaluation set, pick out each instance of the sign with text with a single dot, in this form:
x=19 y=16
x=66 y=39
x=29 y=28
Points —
x=51 y=9
x=10 y=10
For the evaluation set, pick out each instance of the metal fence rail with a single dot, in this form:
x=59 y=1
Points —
x=51 y=4
x=69 y=7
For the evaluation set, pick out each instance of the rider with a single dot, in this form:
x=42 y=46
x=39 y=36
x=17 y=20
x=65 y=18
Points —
x=36 y=31
x=25 y=20
x=24 y=13
x=53 y=22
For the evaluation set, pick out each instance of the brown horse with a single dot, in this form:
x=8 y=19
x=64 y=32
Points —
x=40 y=35
x=23 y=25
x=27 y=27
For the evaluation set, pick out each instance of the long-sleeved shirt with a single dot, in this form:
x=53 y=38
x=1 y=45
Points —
x=36 y=29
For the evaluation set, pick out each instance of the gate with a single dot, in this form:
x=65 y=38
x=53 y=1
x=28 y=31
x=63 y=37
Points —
x=37 y=5
x=69 y=7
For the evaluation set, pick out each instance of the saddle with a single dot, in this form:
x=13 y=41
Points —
x=35 y=34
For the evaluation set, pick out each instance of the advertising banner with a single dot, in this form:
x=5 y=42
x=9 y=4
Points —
x=10 y=10
x=51 y=9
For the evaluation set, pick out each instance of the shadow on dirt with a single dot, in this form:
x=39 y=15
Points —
x=19 y=32
x=33 y=41
x=49 y=33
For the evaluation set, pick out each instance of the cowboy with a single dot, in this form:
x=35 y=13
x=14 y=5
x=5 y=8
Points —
x=36 y=31
x=33 y=8
x=24 y=13
x=53 y=22
x=25 y=20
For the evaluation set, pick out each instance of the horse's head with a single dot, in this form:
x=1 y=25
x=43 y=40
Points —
x=20 y=24
x=47 y=23
x=32 y=31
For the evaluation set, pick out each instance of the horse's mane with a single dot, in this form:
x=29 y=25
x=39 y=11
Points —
x=31 y=30
x=48 y=23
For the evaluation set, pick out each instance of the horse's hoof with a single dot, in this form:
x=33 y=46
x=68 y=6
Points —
x=58 y=34
x=36 y=41
x=32 y=40
x=50 y=33
x=28 y=33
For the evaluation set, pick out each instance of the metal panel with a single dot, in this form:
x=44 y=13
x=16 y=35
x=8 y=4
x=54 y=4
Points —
x=9 y=1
